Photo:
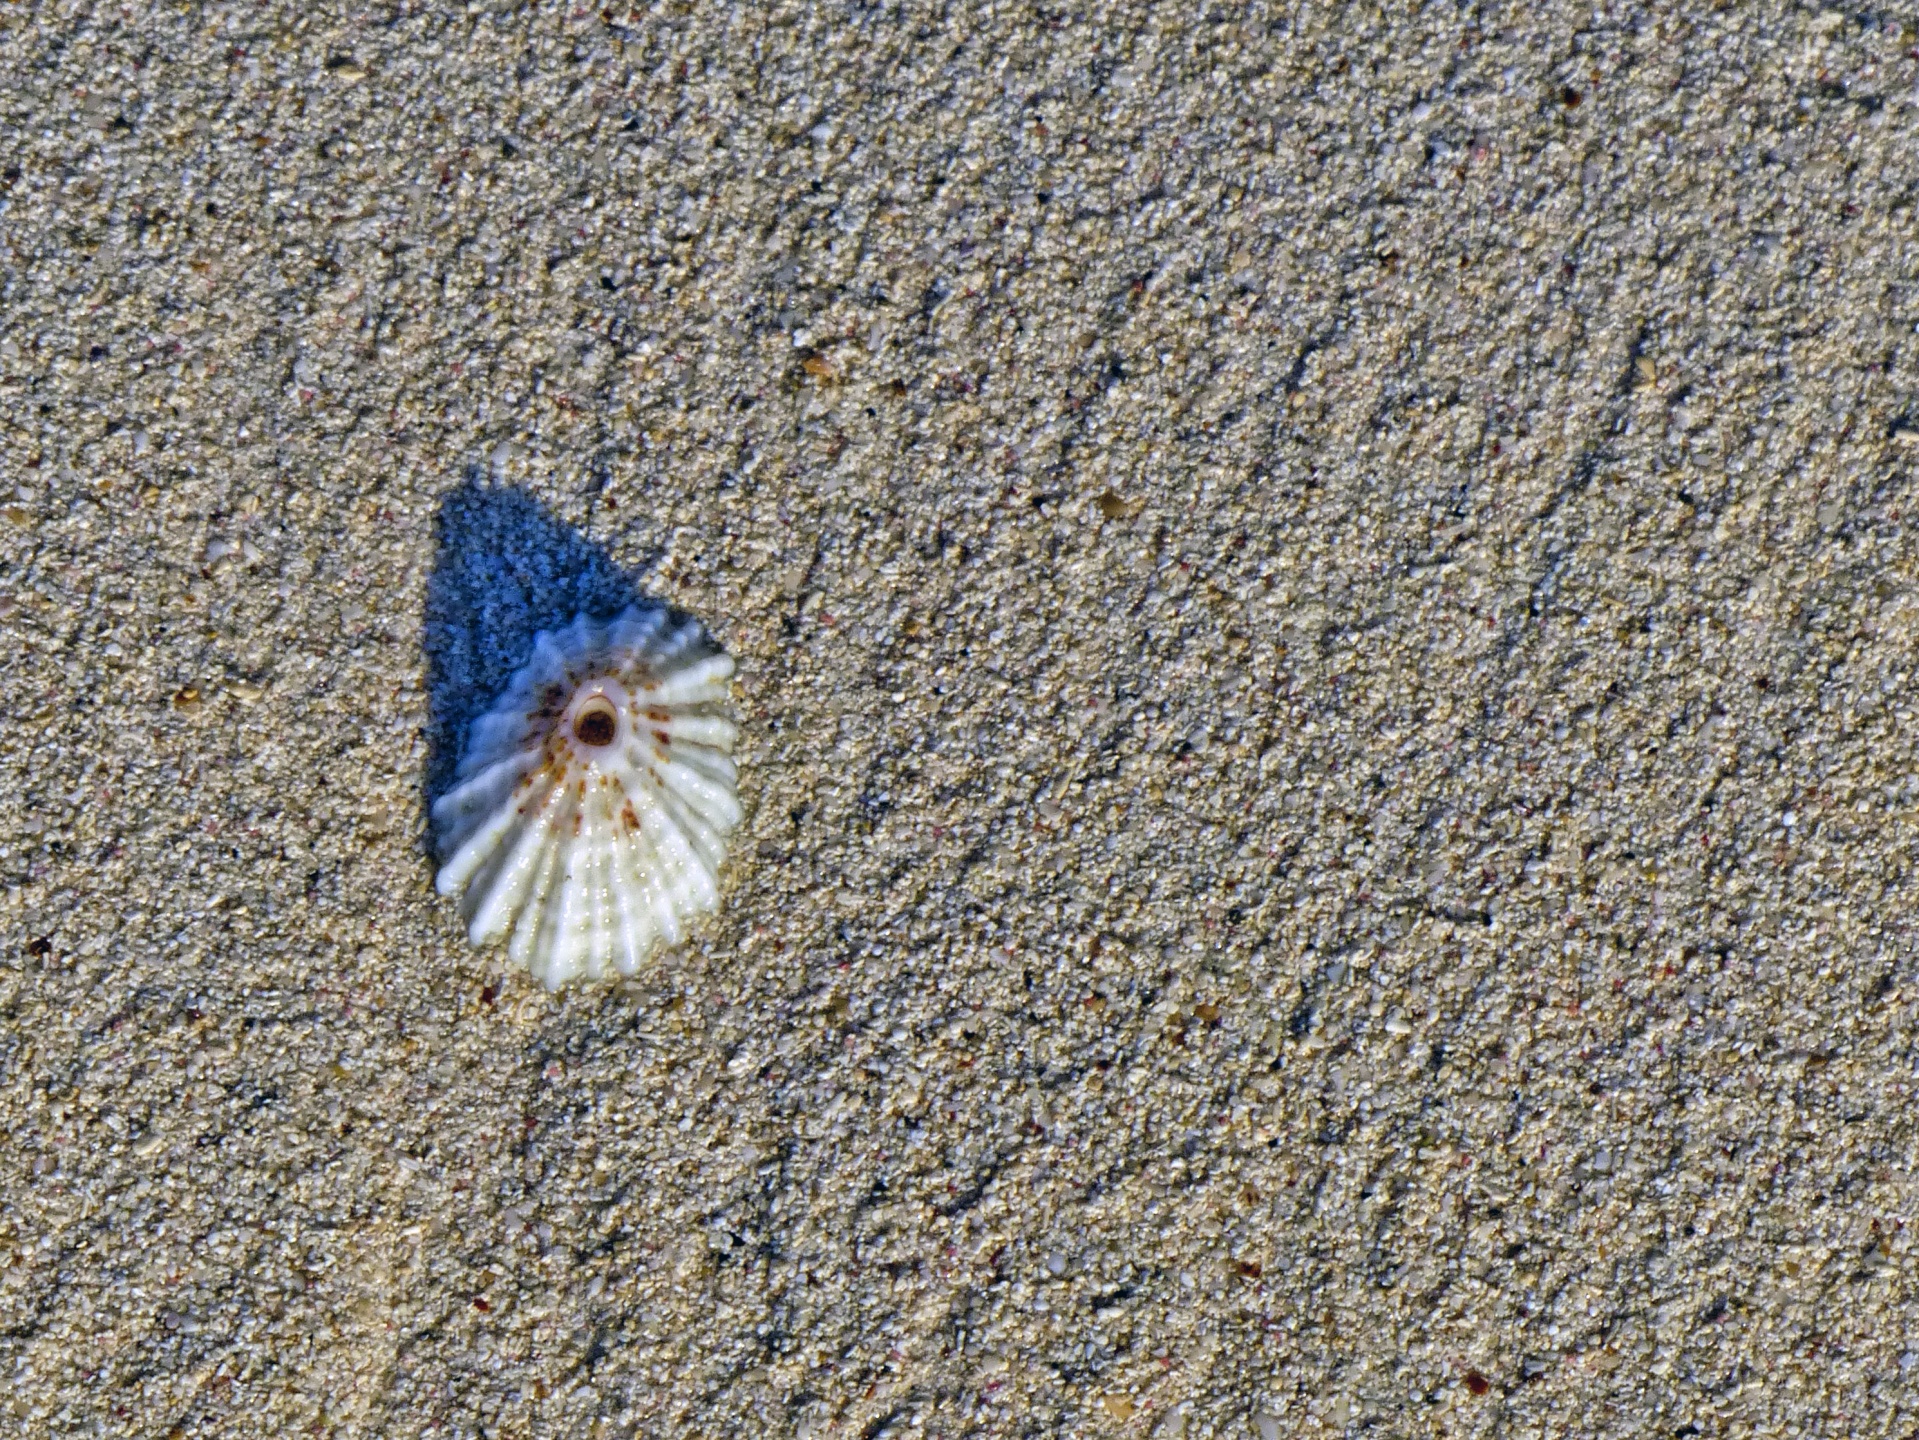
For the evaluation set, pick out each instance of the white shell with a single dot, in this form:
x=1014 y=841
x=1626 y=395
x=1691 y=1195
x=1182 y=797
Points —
x=591 y=808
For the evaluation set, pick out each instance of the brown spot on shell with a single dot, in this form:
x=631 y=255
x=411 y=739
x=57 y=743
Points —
x=628 y=818
x=663 y=738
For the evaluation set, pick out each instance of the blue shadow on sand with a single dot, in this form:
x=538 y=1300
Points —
x=505 y=568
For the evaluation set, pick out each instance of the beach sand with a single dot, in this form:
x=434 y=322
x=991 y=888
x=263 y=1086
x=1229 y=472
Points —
x=1326 y=635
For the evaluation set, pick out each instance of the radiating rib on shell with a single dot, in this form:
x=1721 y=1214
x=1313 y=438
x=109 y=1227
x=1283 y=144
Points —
x=589 y=816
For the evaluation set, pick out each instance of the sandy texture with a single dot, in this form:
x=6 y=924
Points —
x=1327 y=640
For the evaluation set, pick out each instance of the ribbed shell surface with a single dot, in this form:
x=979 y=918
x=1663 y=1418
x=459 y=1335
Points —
x=591 y=809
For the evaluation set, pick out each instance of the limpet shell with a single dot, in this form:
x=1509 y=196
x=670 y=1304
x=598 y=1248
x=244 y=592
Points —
x=590 y=813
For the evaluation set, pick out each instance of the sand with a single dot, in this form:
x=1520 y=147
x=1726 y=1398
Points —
x=1326 y=634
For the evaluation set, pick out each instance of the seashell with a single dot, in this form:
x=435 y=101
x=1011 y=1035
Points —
x=590 y=812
